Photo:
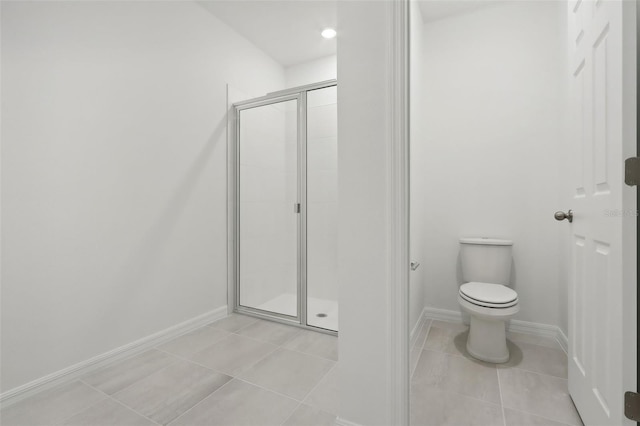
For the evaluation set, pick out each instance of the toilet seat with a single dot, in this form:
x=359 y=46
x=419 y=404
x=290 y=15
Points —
x=488 y=295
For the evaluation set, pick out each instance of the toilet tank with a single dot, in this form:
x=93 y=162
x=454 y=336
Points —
x=486 y=260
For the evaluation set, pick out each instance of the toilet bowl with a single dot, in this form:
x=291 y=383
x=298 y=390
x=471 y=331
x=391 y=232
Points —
x=485 y=296
x=489 y=307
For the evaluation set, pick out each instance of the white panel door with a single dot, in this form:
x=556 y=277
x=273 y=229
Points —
x=602 y=294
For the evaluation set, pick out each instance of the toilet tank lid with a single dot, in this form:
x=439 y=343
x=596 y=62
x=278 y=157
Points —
x=486 y=241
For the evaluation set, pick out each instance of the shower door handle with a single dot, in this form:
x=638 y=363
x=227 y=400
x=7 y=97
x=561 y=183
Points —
x=296 y=207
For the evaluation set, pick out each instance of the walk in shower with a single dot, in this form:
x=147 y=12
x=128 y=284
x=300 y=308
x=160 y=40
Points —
x=284 y=206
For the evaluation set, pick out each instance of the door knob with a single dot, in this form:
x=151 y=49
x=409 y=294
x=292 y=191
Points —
x=562 y=215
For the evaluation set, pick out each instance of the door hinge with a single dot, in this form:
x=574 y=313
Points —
x=632 y=171
x=296 y=207
x=632 y=406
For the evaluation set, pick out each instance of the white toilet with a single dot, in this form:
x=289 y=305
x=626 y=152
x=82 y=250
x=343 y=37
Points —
x=486 y=271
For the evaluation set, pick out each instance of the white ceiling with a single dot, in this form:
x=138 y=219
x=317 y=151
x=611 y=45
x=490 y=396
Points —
x=289 y=30
x=432 y=10
x=286 y=30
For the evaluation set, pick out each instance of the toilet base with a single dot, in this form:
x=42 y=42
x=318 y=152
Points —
x=487 y=340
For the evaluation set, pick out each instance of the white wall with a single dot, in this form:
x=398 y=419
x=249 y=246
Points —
x=418 y=224
x=312 y=72
x=113 y=173
x=485 y=151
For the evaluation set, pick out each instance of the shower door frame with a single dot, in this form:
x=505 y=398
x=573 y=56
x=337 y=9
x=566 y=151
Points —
x=298 y=93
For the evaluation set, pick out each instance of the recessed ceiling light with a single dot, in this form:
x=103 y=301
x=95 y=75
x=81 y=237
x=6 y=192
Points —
x=328 y=33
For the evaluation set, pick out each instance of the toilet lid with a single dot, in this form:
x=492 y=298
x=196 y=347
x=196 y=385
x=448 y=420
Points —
x=494 y=295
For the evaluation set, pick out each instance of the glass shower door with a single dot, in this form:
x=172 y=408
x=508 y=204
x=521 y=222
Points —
x=268 y=209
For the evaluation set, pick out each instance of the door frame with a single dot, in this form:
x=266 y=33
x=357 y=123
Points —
x=298 y=93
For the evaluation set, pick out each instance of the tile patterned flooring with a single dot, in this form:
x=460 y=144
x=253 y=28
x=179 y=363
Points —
x=449 y=387
x=246 y=371
x=236 y=371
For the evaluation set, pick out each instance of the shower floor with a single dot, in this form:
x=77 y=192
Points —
x=286 y=304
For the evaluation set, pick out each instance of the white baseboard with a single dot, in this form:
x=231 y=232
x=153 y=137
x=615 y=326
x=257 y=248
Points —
x=343 y=422
x=563 y=340
x=415 y=332
x=75 y=371
x=442 y=314
x=517 y=326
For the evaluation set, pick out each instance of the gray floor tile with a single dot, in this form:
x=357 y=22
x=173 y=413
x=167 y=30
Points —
x=310 y=416
x=539 y=359
x=433 y=407
x=326 y=395
x=170 y=392
x=270 y=332
x=193 y=342
x=537 y=394
x=290 y=373
x=108 y=413
x=444 y=340
x=118 y=376
x=448 y=325
x=239 y=404
x=454 y=373
x=233 y=354
x=233 y=322
x=52 y=406
x=519 y=418
x=314 y=343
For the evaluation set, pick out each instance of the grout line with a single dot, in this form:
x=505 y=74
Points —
x=292 y=337
x=206 y=347
x=255 y=320
x=437 y=389
x=117 y=402
x=274 y=391
x=291 y=415
x=537 y=372
x=255 y=340
x=174 y=361
x=562 y=422
x=504 y=418
x=298 y=331
x=267 y=389
x=253 y=364
x=276 y=347
x=324 y=376
x=498 y=366
x=498 y=372
x=239 y=329
x=198 y=364
x=75 y=413
x=201 y=401
x=311 y=355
